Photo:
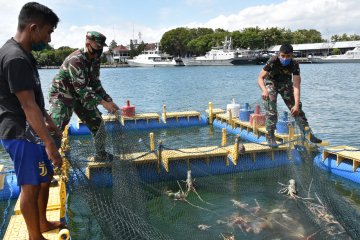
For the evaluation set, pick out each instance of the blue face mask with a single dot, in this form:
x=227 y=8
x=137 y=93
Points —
x=285 y=61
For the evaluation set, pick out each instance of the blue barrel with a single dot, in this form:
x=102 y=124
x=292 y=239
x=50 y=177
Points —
x=282 y=124
x=245 y=112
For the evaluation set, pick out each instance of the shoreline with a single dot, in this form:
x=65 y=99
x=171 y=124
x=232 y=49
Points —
x=101 y=66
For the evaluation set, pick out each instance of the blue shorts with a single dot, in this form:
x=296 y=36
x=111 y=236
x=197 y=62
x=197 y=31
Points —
x=32 y=166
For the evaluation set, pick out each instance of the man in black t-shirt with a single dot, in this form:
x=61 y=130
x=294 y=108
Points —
x=281 y=75
x=24 y=123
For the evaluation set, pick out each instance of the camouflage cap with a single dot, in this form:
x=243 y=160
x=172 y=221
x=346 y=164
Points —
x=97 y=37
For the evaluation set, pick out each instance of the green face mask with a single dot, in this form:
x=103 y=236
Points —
x=38 y=46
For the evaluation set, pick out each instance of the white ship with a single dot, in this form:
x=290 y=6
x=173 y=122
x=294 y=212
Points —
x=351 y=56
x=224 y=56
x=154 y=58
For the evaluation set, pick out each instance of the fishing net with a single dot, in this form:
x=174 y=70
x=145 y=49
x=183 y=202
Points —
x=200 y=182
x=185 y=184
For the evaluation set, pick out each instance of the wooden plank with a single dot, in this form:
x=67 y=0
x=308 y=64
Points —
x=356 y=164
x=2 y=177
x=342 y=153
x=182 y=114
x=215 y=111
x=110 y=118
x=141 y=116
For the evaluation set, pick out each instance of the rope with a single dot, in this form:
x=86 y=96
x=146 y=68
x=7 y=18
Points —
x=130 y=159
x=178 y=150
x=8 y=172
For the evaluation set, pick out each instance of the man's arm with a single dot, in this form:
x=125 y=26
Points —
x=51 y=126
x=265 y=93
x=92 y=94
x=35 y=118
x=296 y=82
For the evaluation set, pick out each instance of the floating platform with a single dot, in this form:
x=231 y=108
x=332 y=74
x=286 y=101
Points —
x=8 y=185
x=343 y=161
x=144 y=121
x=251 y=132
x=173 y=164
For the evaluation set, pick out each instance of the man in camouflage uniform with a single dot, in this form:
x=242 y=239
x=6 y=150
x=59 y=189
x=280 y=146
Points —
x=77 y=88
x=281 y=74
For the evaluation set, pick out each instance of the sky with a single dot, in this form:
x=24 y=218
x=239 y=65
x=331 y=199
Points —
x=122 y=20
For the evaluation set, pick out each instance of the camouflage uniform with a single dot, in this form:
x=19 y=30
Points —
x=77 y=88
x=279 y=80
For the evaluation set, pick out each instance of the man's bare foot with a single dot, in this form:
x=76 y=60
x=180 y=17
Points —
x=48 y=226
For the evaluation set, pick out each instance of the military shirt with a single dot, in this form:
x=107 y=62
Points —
x=280 y=73
x=78 y=79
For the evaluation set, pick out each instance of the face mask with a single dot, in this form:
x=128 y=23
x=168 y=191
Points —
x=38 y=46
x=285 y=61
x=96 y=52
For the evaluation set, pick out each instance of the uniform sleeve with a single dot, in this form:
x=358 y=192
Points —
x=78 y=79
x=95 y=83
x=269 y=64
x=296 y=68
x=20 y=75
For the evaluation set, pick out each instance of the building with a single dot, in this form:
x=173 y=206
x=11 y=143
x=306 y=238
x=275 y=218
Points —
x=120 y=54
x=319 y=49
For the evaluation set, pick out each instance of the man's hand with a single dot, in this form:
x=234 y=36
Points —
x=294 y=111
x=265 y=95
x=111 y=107
x=50 y=125
x=53 y=153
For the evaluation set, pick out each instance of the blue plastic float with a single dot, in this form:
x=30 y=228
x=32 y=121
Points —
x=11 y=190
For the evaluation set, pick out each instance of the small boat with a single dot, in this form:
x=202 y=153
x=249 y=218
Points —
x=154 y=58
x=351 y=56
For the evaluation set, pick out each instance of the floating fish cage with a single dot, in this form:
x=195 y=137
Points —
x=185 y=175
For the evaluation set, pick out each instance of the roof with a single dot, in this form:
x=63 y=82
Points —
x=318 y=46
x=120 y=48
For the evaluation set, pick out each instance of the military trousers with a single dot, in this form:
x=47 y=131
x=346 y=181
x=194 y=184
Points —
x=286 y=90
x=61 y=114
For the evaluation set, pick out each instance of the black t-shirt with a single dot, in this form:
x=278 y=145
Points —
x=18 y=72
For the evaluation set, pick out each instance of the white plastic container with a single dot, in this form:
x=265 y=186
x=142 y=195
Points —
x=234 y=107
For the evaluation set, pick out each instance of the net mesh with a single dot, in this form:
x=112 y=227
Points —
x=276 y=194
x=184 y=184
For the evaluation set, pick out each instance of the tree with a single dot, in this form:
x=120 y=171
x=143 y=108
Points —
x=132 y=52
x=335 y=51
x=175 y=41
x=112 y=45
x=307 y=36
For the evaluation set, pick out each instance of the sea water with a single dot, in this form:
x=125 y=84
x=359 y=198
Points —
x=329 y=93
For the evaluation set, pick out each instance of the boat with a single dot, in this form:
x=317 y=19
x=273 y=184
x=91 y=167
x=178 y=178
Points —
x=351 y=56
x=224 y=56
x=154 y=58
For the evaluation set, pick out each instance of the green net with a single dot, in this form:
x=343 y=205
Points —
x=186 y=187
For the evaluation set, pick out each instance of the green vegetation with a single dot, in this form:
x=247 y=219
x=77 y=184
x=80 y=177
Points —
x=335 y=51
x=52 y=57
x=197 y=41
x=345 y=37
